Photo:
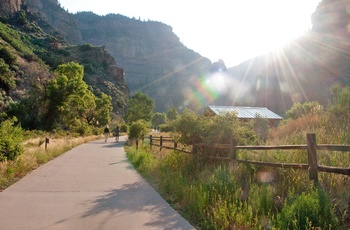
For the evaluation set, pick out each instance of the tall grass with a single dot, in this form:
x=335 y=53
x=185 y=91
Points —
x=209 y=196
x=213 y=195
x=217 y=195
x=35 y=155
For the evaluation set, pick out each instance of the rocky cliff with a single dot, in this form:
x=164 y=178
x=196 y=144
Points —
x=9 y=7
x=30 y=51
x=154 y=59
x=152 y=56
x=52 y=12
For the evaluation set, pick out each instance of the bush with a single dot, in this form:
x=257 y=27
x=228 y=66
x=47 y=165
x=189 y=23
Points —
x=192 y=129
x=82 y=128
x=166 y=128
x=138 y=129
x=309 y=210
x=11 y=137
x=123 y=128
x=8 y=57
x=298 y=110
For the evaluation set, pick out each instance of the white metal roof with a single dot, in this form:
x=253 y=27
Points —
x=245 y=112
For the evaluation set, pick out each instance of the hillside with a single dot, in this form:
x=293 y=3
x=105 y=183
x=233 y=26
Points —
x=31 y=49
x=156 y=62
x=152 y=56
x=154 y=59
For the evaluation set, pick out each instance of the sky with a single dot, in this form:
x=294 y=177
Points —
x=230 y=30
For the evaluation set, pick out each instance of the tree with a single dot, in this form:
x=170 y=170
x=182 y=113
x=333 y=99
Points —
x=103 y=108
x=158 y=119
x=140 y=107
x=71 y=105
x=138 y=129
x=172 y=113
x=190 y=127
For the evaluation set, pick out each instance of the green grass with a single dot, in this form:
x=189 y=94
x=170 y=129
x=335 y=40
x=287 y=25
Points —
x=14 y=39
x=215 y=195
x=211 y=195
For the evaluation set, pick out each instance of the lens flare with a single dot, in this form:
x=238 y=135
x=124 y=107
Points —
x=206 y=89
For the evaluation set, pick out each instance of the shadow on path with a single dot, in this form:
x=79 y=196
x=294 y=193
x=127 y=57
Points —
x=132 y=199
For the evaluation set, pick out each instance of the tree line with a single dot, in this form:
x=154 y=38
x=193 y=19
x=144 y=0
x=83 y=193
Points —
x=62 y=103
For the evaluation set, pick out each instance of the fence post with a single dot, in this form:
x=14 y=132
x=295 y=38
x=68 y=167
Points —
x=150 y=141
x=161 y=142
x=47 y=140
x=175 y=145
x=232 y=153
x=137 y=144
x=312 y=157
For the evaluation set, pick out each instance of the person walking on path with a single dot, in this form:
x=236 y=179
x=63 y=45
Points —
x=117 y=133
x=106 y=133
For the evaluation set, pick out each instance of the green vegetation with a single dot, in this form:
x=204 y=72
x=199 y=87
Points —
x=211 y=194
x=71 y=104
x=14 y=38
x=64 y=102
x=44 y=91
x=140 y=107
x=214 y=194
x=158 y=119
x=138 y=129
x=191 y=128
x=307 y=211
x=11 y=137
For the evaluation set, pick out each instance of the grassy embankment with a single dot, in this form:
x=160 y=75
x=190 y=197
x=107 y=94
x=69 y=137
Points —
x=211 y=195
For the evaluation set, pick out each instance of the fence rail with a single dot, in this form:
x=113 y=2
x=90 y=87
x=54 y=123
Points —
x=312 y=166
x=161 y=142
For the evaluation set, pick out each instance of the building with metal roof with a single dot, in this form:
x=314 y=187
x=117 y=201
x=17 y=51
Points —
x=244 y=112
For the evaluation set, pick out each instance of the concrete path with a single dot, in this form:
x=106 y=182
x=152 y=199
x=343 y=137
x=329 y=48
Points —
x=92 y=186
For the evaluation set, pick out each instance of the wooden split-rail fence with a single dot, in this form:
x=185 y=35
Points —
x=311 y=147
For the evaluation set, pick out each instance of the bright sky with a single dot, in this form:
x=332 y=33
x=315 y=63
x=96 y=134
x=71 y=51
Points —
x=231 y=30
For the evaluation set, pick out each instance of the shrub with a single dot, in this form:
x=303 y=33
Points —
x=7 y=80
x=192 y=129
x=261 y=198
x=166 y=128
x=8 y=57
x=138 y=129
x=82 y=128
x=308 y=210
x=123 y=128
x=298 y=110
x=11 y=137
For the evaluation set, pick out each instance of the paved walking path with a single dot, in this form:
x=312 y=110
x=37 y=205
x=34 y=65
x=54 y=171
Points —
x=92 y=186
